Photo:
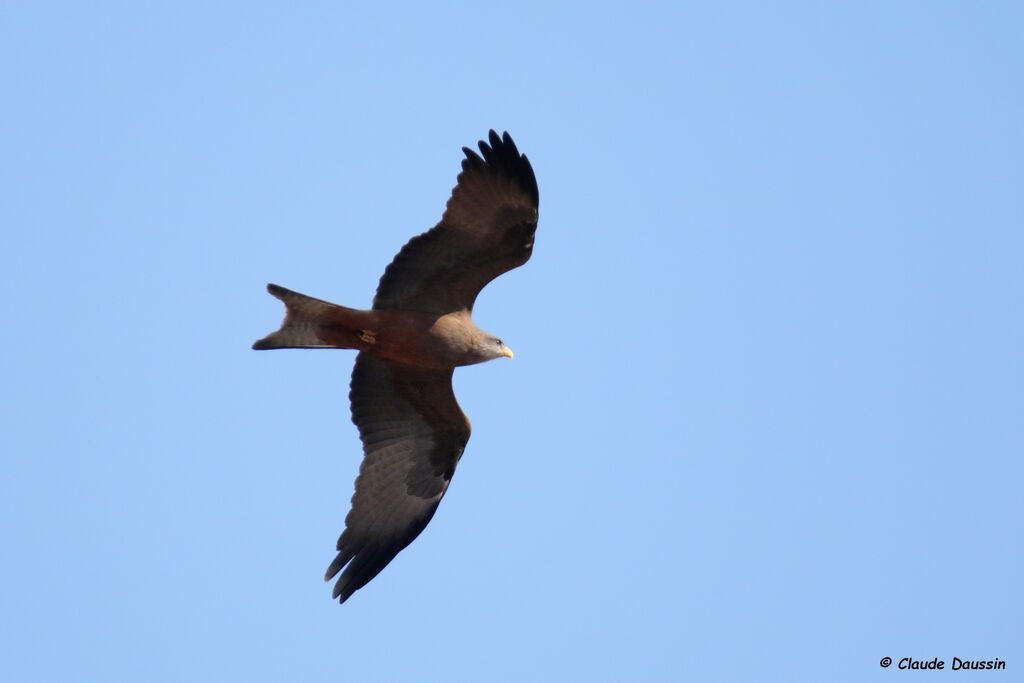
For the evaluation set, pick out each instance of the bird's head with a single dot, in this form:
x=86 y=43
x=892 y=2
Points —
x=495 y=348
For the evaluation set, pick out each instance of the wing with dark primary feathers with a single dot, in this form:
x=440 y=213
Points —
x=487 y=229
x=413 y=434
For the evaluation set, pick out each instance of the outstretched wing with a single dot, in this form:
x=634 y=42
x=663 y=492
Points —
x=487 y=229
x=413 y=434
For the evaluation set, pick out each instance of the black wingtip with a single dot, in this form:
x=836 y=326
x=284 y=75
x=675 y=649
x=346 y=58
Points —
x=501 y=152
x=507 y=140
x=343 y=589
x=472 y=159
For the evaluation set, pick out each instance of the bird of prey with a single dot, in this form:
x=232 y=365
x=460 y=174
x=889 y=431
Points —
x=419 y=330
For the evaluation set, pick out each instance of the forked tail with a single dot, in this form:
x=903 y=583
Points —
x=306 y=320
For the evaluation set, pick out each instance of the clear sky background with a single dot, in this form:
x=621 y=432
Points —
x=765 y=416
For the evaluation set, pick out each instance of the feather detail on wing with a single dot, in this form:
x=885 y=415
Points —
x=413 y=434
x=487 y=229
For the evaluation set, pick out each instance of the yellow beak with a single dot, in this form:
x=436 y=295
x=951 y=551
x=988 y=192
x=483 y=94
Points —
x=505 y=351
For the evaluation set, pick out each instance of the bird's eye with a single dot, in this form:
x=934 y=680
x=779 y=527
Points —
x=500 y=343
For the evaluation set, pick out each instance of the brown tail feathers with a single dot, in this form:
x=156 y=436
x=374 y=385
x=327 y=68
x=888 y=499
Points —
x=308 y=322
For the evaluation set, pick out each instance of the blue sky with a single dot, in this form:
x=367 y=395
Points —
x=764 y=420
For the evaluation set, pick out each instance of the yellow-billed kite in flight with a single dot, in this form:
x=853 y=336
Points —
x=419 y=330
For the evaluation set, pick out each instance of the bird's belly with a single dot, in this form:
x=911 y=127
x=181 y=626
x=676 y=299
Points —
x=420 y=340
